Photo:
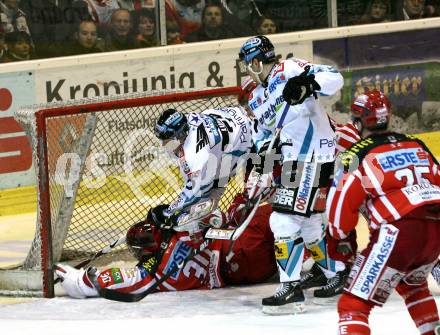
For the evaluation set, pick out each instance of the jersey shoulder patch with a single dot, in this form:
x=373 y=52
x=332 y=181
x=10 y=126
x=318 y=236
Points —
x=361 y=148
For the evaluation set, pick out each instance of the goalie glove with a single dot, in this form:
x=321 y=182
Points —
x=299 y=88
x=76 y=282
x=160 y=218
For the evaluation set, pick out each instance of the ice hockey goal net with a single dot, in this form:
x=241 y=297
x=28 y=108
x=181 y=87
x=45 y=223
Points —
x=99 y=170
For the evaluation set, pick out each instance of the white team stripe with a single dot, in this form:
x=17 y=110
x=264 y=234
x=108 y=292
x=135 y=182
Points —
x=140 y=289
x=427 y=327
x=373 y=225
x=202 y=260
x=352 y=131
x=372 y=177
x=346 y=323
x=419 y=302
x=375 y=213
x=165 y=284
x=390 y=207
x=348 y=138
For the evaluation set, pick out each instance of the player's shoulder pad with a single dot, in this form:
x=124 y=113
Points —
x=294 y=66
x=354 y=155
x=423 y=145
x=194 y=119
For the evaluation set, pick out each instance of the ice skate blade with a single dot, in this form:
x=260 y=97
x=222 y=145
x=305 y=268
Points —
x=326 y=301
x=292 y=308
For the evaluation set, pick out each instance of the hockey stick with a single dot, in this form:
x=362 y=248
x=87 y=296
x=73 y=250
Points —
x=134 y=297
x=105 y=250
x=234 y=234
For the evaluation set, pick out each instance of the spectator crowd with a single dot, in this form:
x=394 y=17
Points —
x=32 y=29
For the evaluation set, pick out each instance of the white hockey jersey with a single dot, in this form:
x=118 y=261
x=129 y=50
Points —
x=306 y=128
x=218 y=142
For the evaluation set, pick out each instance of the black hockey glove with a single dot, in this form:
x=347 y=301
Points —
x=299 y=88
x=161 y=220
x=259 y=168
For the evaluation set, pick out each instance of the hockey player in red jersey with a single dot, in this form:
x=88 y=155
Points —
x=253 y=260
x=398 y=179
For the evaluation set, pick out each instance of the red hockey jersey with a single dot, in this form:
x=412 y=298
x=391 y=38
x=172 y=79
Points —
x=253 y=262
x=200 y=272
x=392 y=173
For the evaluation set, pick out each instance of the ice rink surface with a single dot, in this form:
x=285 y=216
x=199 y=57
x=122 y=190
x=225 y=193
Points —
x=228 y=311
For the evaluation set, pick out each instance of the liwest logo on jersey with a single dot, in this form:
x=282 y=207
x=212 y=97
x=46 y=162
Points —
x=402 y=158
x=179 y=254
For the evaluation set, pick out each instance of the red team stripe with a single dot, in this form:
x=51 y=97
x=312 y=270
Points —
x=144 y=284
x=346 y=136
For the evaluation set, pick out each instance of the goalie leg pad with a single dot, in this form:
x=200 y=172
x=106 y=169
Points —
x=75 y=282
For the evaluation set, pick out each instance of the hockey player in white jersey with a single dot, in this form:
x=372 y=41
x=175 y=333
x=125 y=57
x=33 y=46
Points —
x=286 y=98
x=209 y=146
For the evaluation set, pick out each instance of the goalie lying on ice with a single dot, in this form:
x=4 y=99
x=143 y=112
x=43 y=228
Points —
x=253 y=260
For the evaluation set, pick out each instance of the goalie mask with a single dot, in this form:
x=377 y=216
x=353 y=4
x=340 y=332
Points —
x=143 y=239
x=372 y=109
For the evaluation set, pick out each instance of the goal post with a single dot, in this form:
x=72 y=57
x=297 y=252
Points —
x=99 y=170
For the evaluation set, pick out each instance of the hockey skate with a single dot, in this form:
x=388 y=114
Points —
x=437 y=330
x=333 y=288
x=288 y=299
x=314 y=278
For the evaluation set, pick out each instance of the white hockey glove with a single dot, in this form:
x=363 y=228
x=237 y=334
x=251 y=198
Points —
x=76 y=282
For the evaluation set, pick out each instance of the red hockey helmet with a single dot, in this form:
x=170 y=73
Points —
x=372 y=109
x=143 y=239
